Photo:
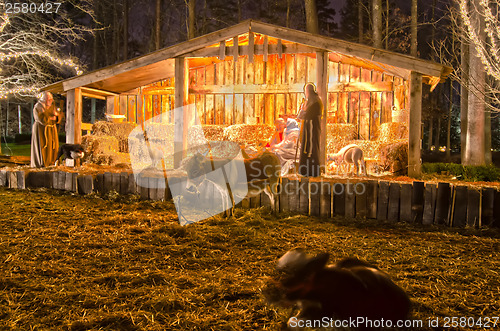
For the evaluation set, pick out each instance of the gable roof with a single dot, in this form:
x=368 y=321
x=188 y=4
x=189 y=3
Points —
x=158 y=65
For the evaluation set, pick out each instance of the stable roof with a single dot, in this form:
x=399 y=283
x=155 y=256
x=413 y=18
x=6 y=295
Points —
x=159 y=65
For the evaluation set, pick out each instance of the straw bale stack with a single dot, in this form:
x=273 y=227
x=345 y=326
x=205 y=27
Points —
x=389 y=132
x=95 y=146
x=250 y=135
x=119 y=130
x=338 y=136
x=394 y=156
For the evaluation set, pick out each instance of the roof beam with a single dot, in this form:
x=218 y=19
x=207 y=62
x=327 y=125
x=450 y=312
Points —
x=161 y=55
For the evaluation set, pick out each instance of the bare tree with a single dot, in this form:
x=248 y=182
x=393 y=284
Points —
x=312 y=25
x=192 y=18
x=414 y=28
x=377 y=23
x=28 y=44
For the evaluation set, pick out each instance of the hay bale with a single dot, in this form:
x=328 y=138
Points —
x=119 y=130
x=250 y=135
x=394 y=156
x=338 y=136
x=388 y=132
x=160 y=131
x=95 y=146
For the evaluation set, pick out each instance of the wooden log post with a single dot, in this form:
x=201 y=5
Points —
x=251 y=47
x=12 y=179
x=473 y=208
x=124 y=184
x=314 y=198
x=322 y=89
x=442 y=203
x=61 y=180
x=293 y=195
x=488 y=205
x=338 y=191
x=73 y=119
x=283 y=196
x=350 y=201
x=459 y=207
x=85 y=184
x=405 y=206
x=3 y=178
x=429 y=204
x=132 y=184
x=304 y=196
x=180 y=112
x=393 y=206
x=417 y=202
x=99 y=183
x=325 y=203
x=371 y=199
x=496 y=210
x=107 y=183
x=382 y=201
x=361 y=199
x=414 y=127
x=70 y=181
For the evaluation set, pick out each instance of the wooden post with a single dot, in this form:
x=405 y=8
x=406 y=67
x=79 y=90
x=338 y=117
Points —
x=222 y=51
x=429 y=204
x=73 y=119
x=405 y=207
x=304 y=195
x=473 y=208
x=393 y=206
x=314 y=198
x=382 y=201
x=283 y=196
x=459 y=210
x=251 y=48
x=266 y=50
x=488 y=205
x=371 y=198
x=350 y=200
x=92 y=110
x=325 y=203
x=339 y=198
x=417 y=202
x=322 y=89
x=415 y=138
x=235 y=49
x=180 y=112
x=442 y=203
x=293 y=194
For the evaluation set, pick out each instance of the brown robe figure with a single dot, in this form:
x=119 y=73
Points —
x=310 y=114
x=44 y=137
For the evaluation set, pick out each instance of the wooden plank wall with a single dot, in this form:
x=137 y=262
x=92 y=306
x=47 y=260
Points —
x=226 y=92
x=366 y=109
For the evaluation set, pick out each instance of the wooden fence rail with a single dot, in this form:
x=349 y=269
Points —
x=417 y=202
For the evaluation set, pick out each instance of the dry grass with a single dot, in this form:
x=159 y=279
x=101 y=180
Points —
x=80 y=263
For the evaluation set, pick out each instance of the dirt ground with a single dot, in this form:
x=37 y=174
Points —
x=85 y=263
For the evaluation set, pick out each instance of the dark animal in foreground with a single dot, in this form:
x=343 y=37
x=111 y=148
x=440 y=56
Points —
x=70 y=151
x=351 y=288
x=256 y=174
x=350 y=154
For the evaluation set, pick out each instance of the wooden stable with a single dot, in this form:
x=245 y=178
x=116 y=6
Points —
x=252 y=73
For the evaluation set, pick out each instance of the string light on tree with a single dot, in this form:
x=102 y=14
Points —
x=488 y=51
x=29 y=44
